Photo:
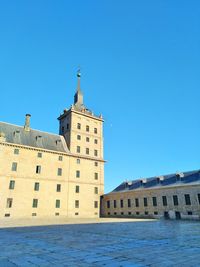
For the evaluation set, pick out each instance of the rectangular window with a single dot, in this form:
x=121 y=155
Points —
x=57 y=203
x=198 y=198
x=63 y=129
x=96 y=190
x=78 y=161
x=95 y=130
x=67 y=126
x=145 y=202
x=96 y=176
x=76 y=203
x=36 y=186
x=95 y=153
x=121 y=203
x=187 y=199
x=78 y=137
x=59 y=172
x=136 y=202
x=175 y=200
x=39 y=155
x=9 y=203
x=35 y=203
x=189 y=212
x=108 y=204
x=16 y=151
x=12 y=184
x=87 y=128
x=95 y=141
x=78 y=149
x=115 y=204
x=87 y=151
x=58 y=188
x=154 y=199
x=96 y=164
x=78 y=174
x=155 y=213
x=60 y=158
x=38 y=169
x=129 y=203
x=87 y=139
x=14 y=166
x=164 y=200
x=78 y=126
x=95 y=204
x=77 y=189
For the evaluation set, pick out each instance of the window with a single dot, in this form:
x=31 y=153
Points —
x=78 y=126
x=57 y=214
x=9 y=203
x=87 y=128
x=154 y=199
x=35 y=203
x=16 y=151
x=96 y=141
x=78 y=137
x=95 y=153
x=59 y=172
x=96 y=164
x=67 y=126
x=39 y=155
x=96 y=190
x=155 y=213
x=63 y=129
x=57 y=203
x=78 y=149
x=122 y=213
x=108 y=204
x=95 y=204
x=137 y=213
x=34 y=214
x=115 y=213
x=87 y=151
x=164 y=200
x=14 y=166
x=129 y=203
x=145 y=202
x=115 y=204
x=78 y=161
x=198 y=198
x=175 y=200
x=129 y=213
x=121 y=203
x=77 y=189
x=95 y=130
x=76 y=203
x=146 y=213
x=60 y=158
x=87 y=139
x=189 y=212
x=12 y=184
x=96 y=176
x=77 y=174
x=36 y=186
x=38 y=169
x=58 y=188
x=187 y=199
x=136 y=202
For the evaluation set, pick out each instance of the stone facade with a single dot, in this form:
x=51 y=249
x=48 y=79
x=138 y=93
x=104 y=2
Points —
x=173 y=196
x=45 y=175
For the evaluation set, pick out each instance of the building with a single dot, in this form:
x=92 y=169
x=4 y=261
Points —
x=173 y=196
x=46 y=175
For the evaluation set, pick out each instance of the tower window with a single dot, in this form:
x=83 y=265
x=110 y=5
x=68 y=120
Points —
x=78 y=126
x=67 y=126
x=78 y=161
x=96 y=190
x=76 y=203
x=35 y=203
x=39 y=155
x=16 y=151
x=14 y=166
x=59 y=172
x=9 y=203
x=95 y=153
x=87 y=128
x=95 y=204
x=12 y=184
x=78 y=149
x=95 y=163
x=95 y=130
x=87 y=139
x=60 y=158
x=96 y=141
x=63 y=129
x=77 y=189
x=78 y=137
x=38 y=169
x=87 y=151
x=78 y=174
x=96 y=176
x=58 y=188
x=57 y=203
x=36 y=186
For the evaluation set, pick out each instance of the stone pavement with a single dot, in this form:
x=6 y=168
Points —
x=137 y=244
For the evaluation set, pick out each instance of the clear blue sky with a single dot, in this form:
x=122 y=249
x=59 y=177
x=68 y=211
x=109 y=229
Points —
x=140 y=65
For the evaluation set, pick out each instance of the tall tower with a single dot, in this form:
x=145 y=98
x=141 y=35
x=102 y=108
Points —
x=83 y=132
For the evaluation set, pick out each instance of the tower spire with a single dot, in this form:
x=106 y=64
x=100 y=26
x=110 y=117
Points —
x=78 y=97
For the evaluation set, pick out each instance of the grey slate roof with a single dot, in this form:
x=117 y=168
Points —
x=175 y=179
x=34 y=138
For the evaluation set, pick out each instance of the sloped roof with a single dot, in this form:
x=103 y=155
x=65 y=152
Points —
x=175 y=179
x=34 y=138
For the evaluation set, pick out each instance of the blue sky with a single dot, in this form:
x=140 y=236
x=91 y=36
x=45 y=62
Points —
x=140 y=64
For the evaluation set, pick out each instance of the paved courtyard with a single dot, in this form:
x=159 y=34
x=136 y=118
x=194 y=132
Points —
x=153 y=243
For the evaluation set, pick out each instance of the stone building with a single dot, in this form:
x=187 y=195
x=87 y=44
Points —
x=44 y=174
x=173 y=196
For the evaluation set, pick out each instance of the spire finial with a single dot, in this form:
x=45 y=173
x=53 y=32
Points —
x=79 y=73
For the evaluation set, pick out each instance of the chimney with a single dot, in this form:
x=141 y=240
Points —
x=27 y=123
